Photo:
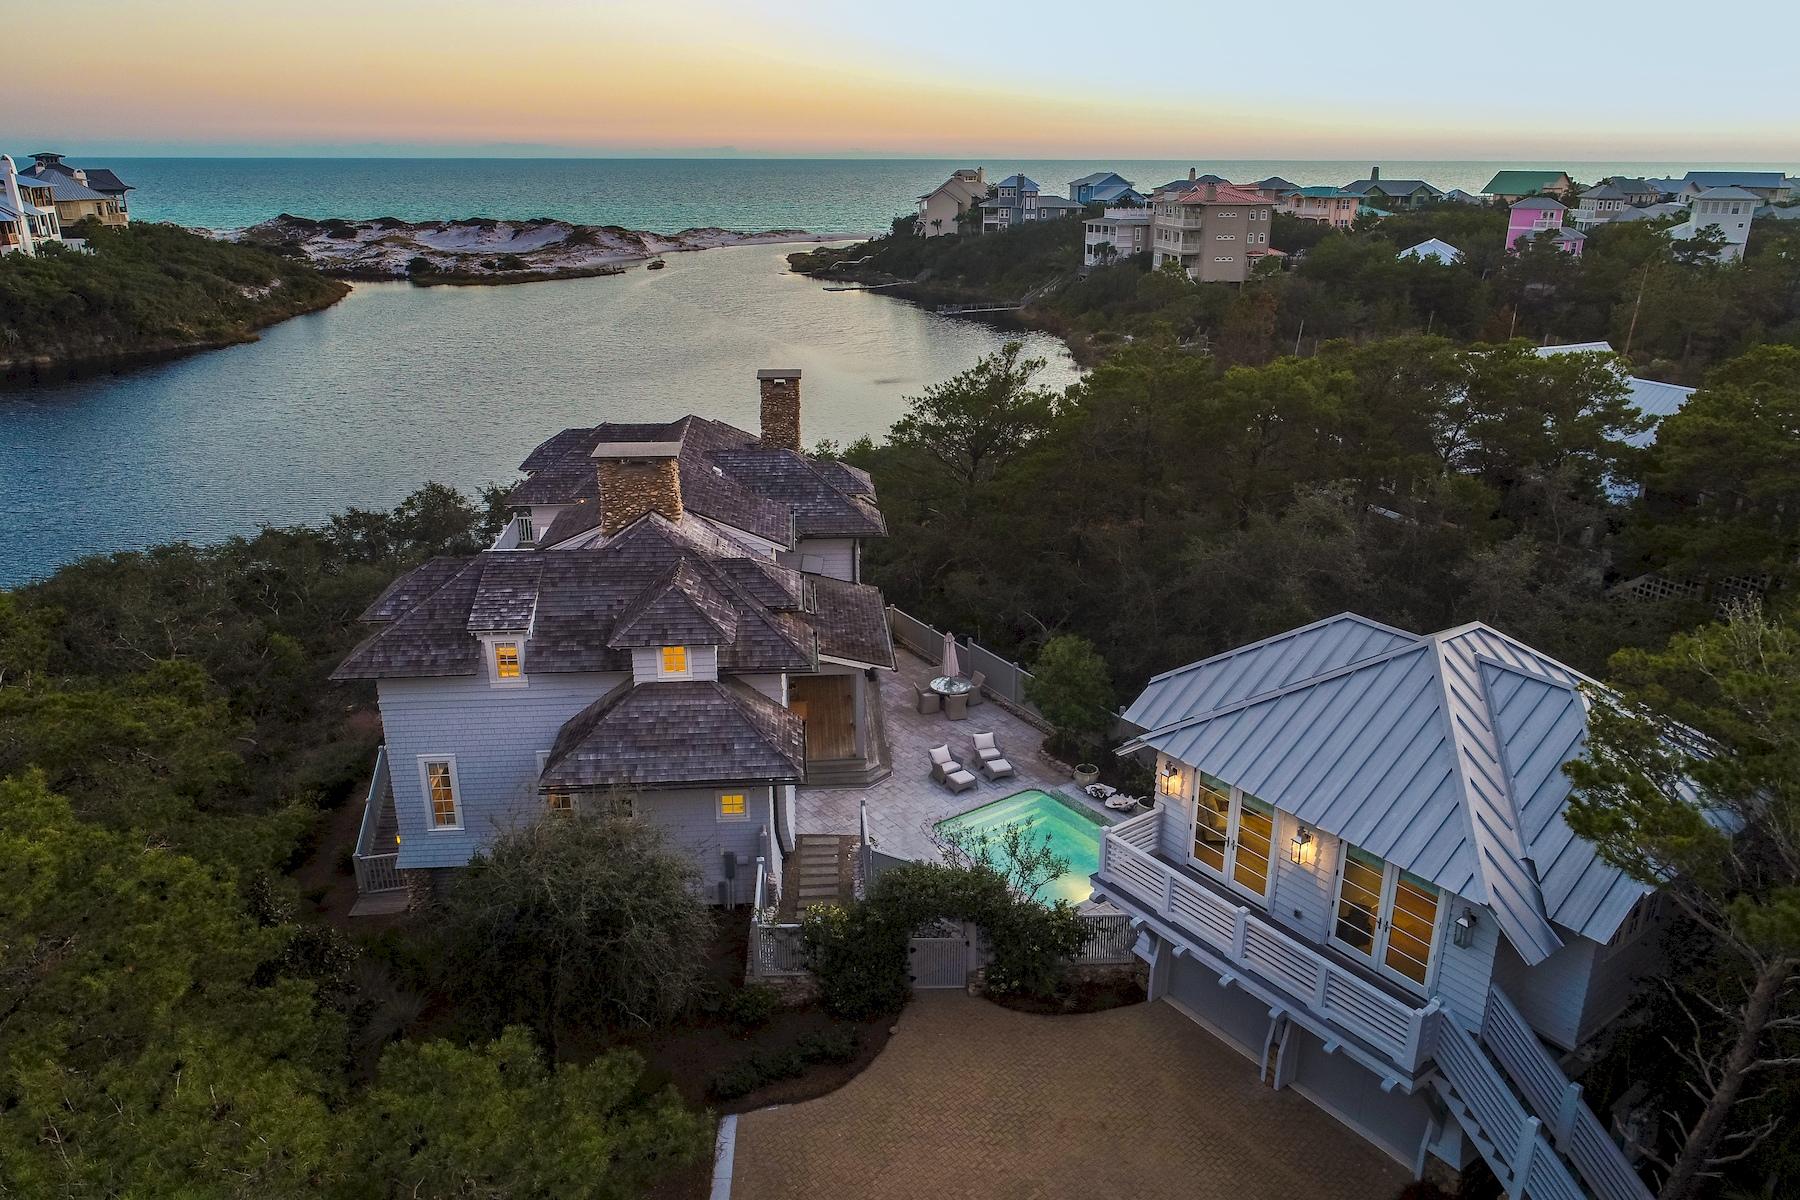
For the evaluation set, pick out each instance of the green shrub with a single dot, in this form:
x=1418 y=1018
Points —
x=750 y=1006
x=754 y=1070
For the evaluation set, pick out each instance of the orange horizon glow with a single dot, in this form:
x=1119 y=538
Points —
x=798 y=78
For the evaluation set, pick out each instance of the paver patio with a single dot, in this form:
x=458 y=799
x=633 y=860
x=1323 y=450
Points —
x=904 y=806
x=971 y=1100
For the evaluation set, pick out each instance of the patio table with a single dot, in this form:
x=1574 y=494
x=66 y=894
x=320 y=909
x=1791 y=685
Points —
x=951 y=685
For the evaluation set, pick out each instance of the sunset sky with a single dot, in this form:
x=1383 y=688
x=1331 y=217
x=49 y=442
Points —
x=1302 y=79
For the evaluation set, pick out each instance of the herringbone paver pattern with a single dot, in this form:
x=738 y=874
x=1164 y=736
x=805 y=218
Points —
x=970 y=1101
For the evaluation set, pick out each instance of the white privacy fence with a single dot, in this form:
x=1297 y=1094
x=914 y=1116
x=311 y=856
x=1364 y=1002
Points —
x=1005 y=678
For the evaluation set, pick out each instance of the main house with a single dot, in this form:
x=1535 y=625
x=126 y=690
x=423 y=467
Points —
x=1215 y=231
x=1358 y=873
x=673 y=620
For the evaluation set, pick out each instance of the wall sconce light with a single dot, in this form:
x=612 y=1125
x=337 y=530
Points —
x=1171 y=779
x=1305 y=848
x=1464 y=932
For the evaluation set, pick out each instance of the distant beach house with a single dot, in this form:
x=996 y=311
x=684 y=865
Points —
x=81 y=192
x=1600 y=204
x=1433 y=249
x=1725 y=211
x=1118 y=233
x=1393 y=195
x=1358 y=874
x=1327 y=205
x=1507 y=187
x=1273 y=188
x=942 y=210
x=1771 y=187
x=1216 y=232
x=1462 y=197
x=673 y=620
x=1018 y=199
x=1103 y=187
x=27 y=211
x=1536 y=215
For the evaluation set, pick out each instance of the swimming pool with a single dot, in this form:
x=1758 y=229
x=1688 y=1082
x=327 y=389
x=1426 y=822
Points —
x=1073 y=833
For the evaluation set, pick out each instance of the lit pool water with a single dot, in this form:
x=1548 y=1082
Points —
x=1073 y=834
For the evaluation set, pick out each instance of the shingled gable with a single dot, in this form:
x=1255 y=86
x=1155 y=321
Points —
x=678 y=734
x=682 y=609
x=580 y=596
x=727 y=475
x=402 y=595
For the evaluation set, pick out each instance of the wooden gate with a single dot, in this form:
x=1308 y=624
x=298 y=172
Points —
x=939 y=955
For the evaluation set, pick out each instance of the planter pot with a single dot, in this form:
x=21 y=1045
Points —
x=1086 y=773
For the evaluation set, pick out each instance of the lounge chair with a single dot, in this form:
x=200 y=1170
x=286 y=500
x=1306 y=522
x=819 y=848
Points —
x=987 y=746
x=947 y=771
x=975 y=696
x=926 y=700
x=956 y=707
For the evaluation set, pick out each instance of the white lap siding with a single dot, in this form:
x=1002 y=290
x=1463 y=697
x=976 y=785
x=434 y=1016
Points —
x=495 y=735
x=1549 y=995
x=689 y=819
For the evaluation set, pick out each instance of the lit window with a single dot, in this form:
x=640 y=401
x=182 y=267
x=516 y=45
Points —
x=506 y=660
x=560 y=802
x=440 y=788
x=674 y=660
x=731 y=806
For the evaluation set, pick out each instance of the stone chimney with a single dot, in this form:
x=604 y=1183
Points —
x=1193 y=174
x=780 y=387
x=1212 y=192
x=637 y=478
x=981 y=176
x=1374 y=174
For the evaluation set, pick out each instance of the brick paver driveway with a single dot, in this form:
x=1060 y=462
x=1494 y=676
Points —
x=970 y=1100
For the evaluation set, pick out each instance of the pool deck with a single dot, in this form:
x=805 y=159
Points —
x=905 y=806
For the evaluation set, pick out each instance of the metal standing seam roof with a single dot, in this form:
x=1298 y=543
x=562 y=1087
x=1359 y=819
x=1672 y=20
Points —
x=1651 y=397
x=1414 y=749
x=1768 y=179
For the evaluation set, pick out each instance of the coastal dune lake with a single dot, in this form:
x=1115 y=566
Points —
x=362 y=403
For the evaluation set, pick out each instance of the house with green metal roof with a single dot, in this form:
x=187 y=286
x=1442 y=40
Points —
x=1508 y=187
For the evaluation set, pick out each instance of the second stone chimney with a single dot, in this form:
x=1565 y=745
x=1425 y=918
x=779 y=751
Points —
x=780 y=388
x=637 y=478
x=1374 y=174
x=1193 y=174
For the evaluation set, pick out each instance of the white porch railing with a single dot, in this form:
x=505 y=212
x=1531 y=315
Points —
x=1509 y=1137
x=775 y=946
x=1393 y=1028
x=1571 y=1126
x=376 y=870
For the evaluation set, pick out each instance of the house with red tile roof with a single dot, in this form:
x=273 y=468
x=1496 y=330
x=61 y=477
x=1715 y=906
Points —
x=1216 y=231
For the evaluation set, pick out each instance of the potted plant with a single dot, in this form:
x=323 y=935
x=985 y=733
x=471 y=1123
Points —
x=1086 y=773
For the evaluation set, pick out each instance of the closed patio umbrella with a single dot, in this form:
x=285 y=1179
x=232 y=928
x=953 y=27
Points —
x=949 y=666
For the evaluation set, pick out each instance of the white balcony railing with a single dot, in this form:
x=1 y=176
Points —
x=1130 y=873
x=376 y=867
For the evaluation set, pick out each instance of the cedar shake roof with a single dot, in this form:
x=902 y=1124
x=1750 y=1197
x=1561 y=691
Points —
x=682 y=609
x=726 y=475
x=678 y=733
x=579 y=598
x=851 y=621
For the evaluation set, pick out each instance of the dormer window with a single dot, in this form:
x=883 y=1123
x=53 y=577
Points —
x=674 y=660
x=505 y=661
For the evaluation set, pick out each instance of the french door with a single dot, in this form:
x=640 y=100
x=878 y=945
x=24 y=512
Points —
x=1386 y=916
x=1234 y=835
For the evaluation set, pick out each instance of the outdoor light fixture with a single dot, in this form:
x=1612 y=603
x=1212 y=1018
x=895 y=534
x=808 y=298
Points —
x=1171 y=779
x=1305 y=848
x=1464 y=934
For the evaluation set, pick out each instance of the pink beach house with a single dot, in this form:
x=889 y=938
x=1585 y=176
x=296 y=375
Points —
x=1540 y=214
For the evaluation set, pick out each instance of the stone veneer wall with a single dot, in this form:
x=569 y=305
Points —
x=631 y=487
x=780 y=413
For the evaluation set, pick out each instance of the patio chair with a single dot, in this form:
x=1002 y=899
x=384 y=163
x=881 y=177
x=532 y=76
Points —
x=997 y=768
x=957 y=707
x=926 y=700
x=975 y=696
x=947 y=771
x=987 y=746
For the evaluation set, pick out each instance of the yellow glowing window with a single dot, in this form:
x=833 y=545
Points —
x=443 y=793
x=561 y=802
x=674 y=662
x=506 y=661
x=731 y=804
